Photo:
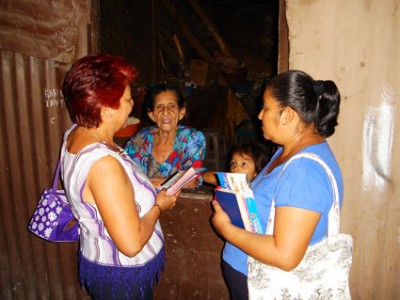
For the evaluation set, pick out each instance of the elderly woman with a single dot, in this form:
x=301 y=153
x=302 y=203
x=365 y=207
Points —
x=167 y=147
x=121 y=241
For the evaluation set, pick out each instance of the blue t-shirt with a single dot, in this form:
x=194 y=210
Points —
x=303 y=184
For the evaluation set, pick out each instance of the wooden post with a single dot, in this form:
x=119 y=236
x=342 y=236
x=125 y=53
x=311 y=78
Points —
x=189 y=36
x=211 y=28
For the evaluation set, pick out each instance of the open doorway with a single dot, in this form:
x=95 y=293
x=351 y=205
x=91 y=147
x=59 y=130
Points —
x=249 y=30
x=228 y=49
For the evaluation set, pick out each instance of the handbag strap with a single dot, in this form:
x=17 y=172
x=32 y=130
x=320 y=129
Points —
x=56 y=177
x=334 y=212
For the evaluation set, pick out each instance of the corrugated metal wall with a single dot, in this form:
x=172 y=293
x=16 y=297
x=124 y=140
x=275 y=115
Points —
x=42 y=40
x=33 y=118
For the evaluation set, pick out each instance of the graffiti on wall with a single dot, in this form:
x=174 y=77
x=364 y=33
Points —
x=53 y=99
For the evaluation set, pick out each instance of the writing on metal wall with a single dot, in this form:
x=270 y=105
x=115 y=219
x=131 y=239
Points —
x=54 y=98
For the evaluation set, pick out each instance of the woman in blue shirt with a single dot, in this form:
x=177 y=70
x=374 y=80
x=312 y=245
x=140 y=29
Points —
x=298 y=114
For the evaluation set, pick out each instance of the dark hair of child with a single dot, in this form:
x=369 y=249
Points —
x=257 y=152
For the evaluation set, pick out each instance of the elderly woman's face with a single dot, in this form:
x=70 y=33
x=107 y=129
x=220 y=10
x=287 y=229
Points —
x=167 y=113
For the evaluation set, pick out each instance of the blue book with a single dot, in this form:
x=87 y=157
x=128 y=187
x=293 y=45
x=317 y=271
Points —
x=237 y=200
x=253 y=215
x=229 y=203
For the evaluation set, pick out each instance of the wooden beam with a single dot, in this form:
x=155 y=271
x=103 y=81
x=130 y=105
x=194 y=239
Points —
x=154 y=44
x=184 y=28
x=211 y=28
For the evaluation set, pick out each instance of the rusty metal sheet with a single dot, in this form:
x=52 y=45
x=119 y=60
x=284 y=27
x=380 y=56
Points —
x=33 y=118
x=46 y=29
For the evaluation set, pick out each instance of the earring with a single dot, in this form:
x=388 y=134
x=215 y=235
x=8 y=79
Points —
x=108 y=113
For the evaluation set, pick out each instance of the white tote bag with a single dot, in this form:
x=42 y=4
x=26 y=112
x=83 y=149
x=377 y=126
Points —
x=324 y=271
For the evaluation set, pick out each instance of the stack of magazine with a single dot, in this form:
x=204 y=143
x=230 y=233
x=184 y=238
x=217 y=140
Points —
x=179 y=179
x=237 y=200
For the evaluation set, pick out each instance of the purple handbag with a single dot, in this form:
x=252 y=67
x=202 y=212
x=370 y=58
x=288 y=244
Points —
x=53 y=219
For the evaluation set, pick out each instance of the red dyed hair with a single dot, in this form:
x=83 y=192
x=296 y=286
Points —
x=96 y=81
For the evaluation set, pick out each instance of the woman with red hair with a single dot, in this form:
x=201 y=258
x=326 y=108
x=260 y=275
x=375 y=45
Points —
x=121 y=241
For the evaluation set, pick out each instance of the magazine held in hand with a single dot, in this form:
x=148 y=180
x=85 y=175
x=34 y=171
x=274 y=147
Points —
x=179 y=179
x=237 y=200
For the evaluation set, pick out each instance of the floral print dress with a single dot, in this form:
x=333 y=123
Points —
x=189 y=151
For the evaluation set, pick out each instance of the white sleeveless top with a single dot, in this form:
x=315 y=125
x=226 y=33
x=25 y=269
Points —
x=95 y=242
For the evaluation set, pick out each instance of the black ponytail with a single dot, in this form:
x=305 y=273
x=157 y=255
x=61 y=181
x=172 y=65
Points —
x=327 y=107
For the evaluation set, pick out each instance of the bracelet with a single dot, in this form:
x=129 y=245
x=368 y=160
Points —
x=159 y=207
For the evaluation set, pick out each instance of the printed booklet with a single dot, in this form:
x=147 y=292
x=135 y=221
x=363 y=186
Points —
x=179 y=179
x=237 y=199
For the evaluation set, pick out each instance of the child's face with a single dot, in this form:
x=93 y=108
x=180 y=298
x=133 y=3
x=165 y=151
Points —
x=243 y=163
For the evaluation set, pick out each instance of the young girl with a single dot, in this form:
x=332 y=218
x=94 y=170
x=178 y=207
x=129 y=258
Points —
x=249 y=159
